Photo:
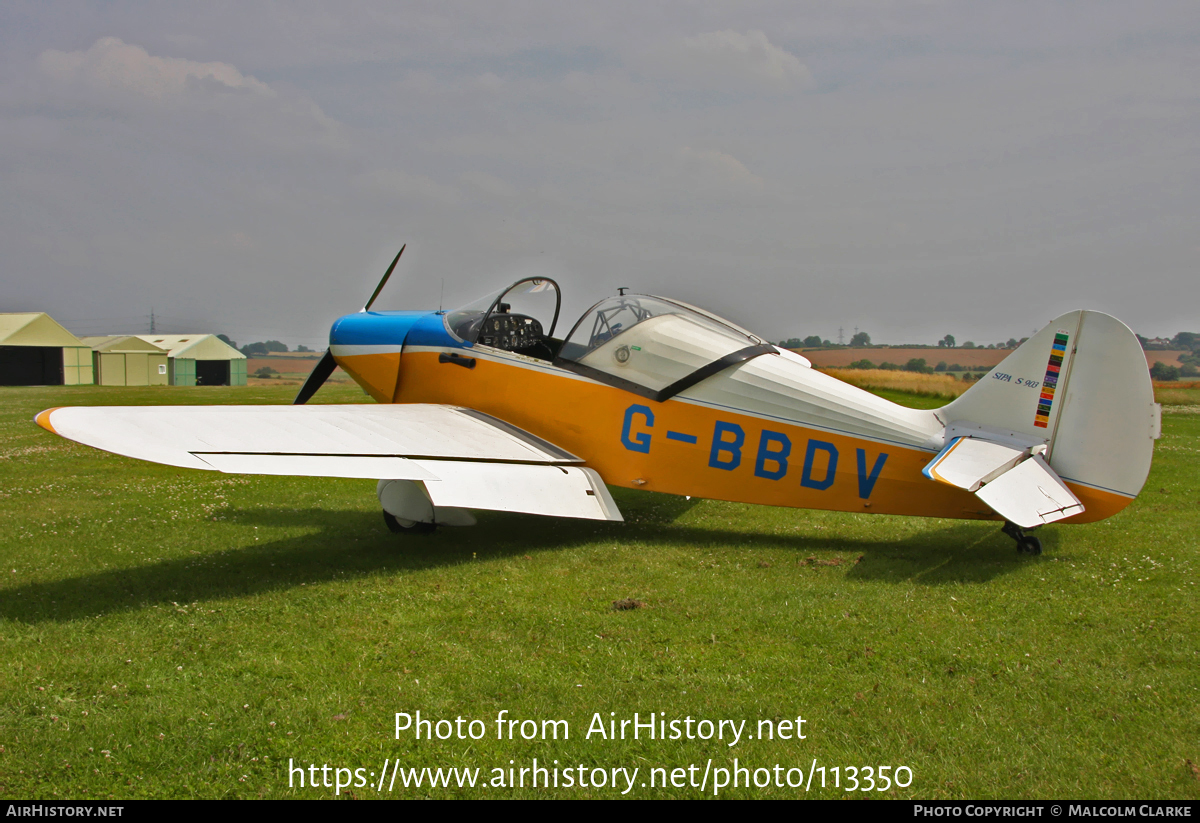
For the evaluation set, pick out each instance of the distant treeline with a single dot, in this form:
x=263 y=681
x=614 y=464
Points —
x=263 y=349
x=1189 y=359
x=863 y=340
x=918 y=365
x=1188 y=342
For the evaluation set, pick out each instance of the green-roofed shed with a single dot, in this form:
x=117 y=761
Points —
x=127 y=360
x=36 y=351
x=200 y=359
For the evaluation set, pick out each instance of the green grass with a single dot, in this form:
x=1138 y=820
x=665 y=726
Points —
x=168 y=633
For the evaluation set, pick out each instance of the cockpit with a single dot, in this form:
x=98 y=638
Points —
x=648 y=345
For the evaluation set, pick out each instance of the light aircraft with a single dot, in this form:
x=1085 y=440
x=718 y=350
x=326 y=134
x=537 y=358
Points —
x=485 y=407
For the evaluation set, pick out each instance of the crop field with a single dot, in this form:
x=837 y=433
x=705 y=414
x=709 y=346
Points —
x=944 y=387
x=938 y=386
x=172 y=633
x=840 y=358
x=971 y=359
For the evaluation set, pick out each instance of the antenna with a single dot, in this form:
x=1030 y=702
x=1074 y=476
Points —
x=442 y=293
x=621 y=290
x=152 y=330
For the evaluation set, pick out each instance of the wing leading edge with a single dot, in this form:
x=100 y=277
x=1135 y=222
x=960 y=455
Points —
x=464 y=458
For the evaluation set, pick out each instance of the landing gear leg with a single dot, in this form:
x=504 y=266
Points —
x=414 y=527
x=1026 y=543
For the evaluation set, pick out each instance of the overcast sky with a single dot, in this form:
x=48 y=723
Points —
x=908 y=168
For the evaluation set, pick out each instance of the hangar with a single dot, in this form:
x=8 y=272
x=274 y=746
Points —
x=37 y=351
x=126 y=360
x=200 y=359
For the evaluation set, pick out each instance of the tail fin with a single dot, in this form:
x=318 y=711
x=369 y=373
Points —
x=1081 y=387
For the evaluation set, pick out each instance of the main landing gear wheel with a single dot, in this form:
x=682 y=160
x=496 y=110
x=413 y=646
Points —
x=414 y=527
x=1026 y=543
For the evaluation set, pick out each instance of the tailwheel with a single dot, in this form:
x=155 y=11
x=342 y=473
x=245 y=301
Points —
x=397 y=526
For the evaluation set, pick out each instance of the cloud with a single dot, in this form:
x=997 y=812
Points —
x=113 y=64
x=487 y=184
x=729 y=59
x=712 y=174
x=395 y=183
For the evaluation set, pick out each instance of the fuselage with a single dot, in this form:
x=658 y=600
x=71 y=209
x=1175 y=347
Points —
x=770 y=431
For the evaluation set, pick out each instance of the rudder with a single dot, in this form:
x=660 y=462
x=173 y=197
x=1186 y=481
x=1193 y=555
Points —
x=1081 y=387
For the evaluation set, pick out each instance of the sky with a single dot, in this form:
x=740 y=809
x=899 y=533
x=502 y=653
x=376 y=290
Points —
x=908 y=169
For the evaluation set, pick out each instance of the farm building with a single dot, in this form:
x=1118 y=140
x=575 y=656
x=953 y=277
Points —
x=36 y=351
x=126 y=360
x=200 y=360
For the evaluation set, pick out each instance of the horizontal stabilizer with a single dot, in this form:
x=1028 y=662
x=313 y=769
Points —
x=1030 y=495
x=969 y=462
x=1017 y=485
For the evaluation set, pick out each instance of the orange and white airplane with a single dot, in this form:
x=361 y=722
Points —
x=486 y=408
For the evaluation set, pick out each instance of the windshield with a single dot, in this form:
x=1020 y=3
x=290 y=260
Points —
x=509 y=318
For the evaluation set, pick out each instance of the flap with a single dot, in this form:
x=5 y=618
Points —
x=318 y=465
x=175 y=435
x=559 y=491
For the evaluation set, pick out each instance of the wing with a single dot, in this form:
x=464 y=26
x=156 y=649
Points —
x=1018 y=484
x=465 y=458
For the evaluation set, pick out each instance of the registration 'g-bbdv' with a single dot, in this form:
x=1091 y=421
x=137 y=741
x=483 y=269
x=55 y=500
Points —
x=486 y=407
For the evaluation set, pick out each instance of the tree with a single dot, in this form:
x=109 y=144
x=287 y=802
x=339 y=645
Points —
x=1186 y=340
x=861 y=339
x=227 y=341
x=813 y=341
x=941 y=366
x=968 y=345
x=254 y=350
x=1161 y=371
x=303 y=348
x=1012 y=343
x=275 y=345
x=947 y=341
x=862 y=364
x=917 y=364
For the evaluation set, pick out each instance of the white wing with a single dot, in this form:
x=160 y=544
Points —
x=465 y=458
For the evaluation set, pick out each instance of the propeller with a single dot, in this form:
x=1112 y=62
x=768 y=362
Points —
x=326 y=365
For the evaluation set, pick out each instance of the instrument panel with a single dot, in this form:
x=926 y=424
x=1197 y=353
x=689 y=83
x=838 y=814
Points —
x=510 y=332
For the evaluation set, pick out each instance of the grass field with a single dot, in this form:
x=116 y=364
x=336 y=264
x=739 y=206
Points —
x=168 y=633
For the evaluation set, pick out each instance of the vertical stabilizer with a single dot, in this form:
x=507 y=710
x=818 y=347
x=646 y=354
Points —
x=1081 y=387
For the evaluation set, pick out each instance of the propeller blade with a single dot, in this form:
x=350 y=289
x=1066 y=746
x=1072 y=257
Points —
x=316 y=378
x=326 y=365
x=383 y=282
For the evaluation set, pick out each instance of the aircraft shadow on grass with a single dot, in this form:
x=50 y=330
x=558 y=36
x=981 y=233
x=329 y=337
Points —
x=357 y=544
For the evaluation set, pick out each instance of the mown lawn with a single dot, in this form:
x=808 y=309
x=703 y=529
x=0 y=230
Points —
x=166 y=633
